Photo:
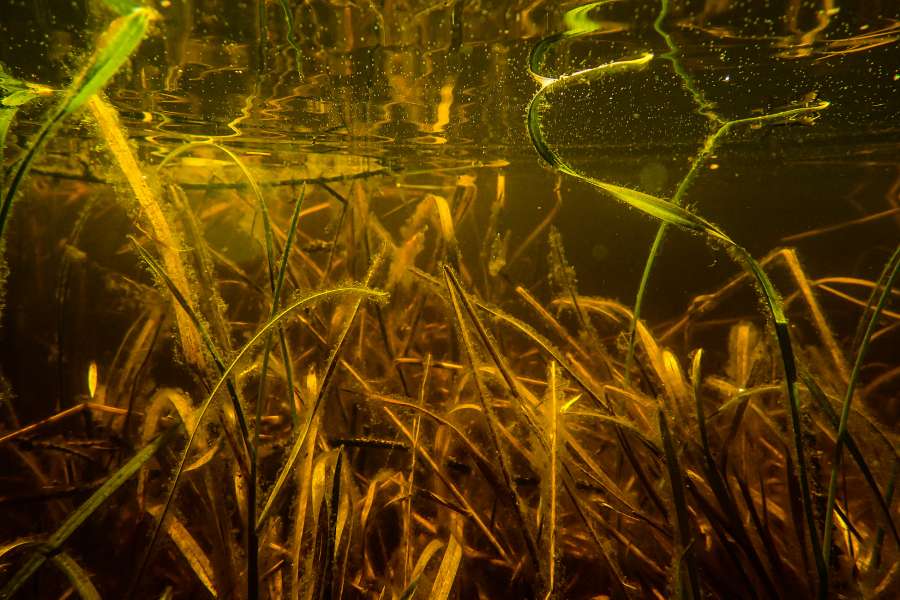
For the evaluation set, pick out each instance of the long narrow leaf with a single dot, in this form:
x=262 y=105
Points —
x=684 y=540
x=855 y=452
x=485 y=400
x=77 y=576
x=201 y=411
x=887 y=281
x=80 y=514
x=300 y=440
x=114 y=47
x=446 y=574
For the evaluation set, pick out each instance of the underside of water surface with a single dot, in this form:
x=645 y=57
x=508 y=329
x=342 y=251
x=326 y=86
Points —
x=400 y=299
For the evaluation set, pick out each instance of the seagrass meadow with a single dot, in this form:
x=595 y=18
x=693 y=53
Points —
x=433 y=299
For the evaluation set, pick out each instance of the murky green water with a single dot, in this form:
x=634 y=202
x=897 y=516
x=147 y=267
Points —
x=370 y=106
x=409 y=87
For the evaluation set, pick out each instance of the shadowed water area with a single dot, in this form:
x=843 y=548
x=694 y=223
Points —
x=322 y=299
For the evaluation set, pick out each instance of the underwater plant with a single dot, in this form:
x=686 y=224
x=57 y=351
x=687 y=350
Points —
x=317 y=370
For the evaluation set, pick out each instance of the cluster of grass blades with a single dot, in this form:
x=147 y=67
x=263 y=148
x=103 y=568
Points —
x=114 y=47
x=498 y=462
x=670 y=213
x=359 y=406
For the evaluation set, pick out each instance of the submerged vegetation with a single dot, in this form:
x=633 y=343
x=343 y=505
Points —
x=326 y=377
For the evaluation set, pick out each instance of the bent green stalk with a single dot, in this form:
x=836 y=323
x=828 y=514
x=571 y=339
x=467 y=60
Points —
x=300 y=440
x=200 y=412
x=887 y=281
x=117 y=43
x=669 y=213
x=705 y=152
x=722 y=128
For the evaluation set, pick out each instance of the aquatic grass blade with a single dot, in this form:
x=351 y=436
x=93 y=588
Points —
x=596 y=397
x=620 y=589
x=465 y=507
x=277 y=287
x=887 y=283
x=190 y=550
x=195 y=320
x=511 y=383
x=684 y=539
x=855 y=452
x=291 y=38
x=121 y=39
x=422 y=562
x=276 y=279
x=327 y=495
x=716 y=482
x=300 y=439
x=303 y=481
x=456 y=293
x=77 y=576
x=417 y=427
x=122 y=7
x=863 y=323
x=312 y=298
x=114 y=47
x=77 y=517
x=443 y=582
x=114 y=136
x=13 y=95
x=722 y=127
x=7 y=114
x=553 y=492
x=875 y=560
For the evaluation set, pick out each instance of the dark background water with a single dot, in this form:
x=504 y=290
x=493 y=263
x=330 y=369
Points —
x=434 y=94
